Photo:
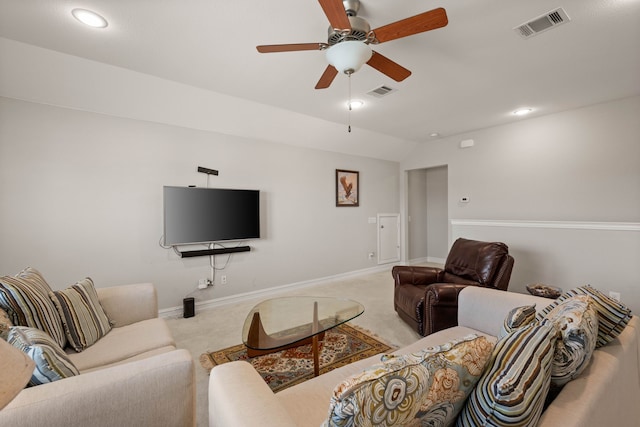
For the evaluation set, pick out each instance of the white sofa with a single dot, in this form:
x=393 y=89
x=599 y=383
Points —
x=133 y=376
x=605 y=393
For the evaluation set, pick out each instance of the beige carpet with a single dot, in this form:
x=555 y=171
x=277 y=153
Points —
x=221 y=327
x=341 y=345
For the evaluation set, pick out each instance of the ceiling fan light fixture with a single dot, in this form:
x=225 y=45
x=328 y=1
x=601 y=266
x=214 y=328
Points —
x=348 y=56
x=355 y=104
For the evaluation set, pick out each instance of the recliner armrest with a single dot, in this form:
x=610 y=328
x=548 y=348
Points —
x=415 y=275
x=444 y=294
x=441 y=306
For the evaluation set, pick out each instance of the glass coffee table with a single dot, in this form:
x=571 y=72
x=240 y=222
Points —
x=280 y=323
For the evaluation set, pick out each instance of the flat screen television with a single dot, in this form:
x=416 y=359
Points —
x=204 y=215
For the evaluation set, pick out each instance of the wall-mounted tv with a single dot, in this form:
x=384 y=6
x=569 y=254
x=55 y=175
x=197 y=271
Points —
x=204 y=215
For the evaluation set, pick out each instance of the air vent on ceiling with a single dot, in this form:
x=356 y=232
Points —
x=542 y=23
x=381 y=91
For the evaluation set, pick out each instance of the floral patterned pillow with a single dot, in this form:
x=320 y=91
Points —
x=5 y=324
x=424 y=388
x=613 y=316
x=576 y=321
x=518 y=317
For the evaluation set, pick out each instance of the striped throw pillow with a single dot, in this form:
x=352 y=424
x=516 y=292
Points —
x=25 y=298
x=52 y=363
x=84 y=320
x=613 y=316
x=513 y=388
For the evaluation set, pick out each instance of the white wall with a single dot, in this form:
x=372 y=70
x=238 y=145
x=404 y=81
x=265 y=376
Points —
x=578 y=166
x=567 y=254
x=81 y=195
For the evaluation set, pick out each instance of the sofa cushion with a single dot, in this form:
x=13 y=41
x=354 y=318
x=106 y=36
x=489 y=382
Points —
x=577 y=322
x=5 y=324
x=141 y=356
x=124 y=343
x=52 y=363
x=425 y=387
x=25 y=298
x=84 y=320
x=513 y=388
x=613 y=316
x=518 y=317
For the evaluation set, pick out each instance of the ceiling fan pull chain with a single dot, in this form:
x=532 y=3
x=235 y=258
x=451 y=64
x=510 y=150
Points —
x=349 y=103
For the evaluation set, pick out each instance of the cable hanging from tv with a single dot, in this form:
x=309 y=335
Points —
x=209 y=172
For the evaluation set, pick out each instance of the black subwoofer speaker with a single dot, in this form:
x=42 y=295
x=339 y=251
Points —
x=188 y=307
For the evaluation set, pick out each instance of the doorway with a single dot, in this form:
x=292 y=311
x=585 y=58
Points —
x=427 y=215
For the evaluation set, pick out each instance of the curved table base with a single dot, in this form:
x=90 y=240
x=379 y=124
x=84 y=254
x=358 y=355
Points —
x=258 y=337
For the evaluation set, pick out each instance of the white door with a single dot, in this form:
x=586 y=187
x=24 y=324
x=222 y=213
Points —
x=388 y=238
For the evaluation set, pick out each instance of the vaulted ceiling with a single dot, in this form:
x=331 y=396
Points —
x=471 y=74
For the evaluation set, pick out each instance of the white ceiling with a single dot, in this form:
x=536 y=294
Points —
x=468 y=75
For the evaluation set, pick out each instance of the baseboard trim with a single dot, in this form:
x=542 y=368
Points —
x=173 y=312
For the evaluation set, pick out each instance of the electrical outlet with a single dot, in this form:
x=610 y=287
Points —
x=614 y=295
x=223 y=280
x=203 y=283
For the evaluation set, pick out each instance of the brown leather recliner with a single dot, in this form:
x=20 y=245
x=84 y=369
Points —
x=427 y=297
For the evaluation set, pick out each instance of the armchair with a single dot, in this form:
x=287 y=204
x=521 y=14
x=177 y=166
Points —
x=427 y=297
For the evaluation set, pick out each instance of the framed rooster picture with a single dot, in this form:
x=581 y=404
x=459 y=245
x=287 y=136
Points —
x=347 y=188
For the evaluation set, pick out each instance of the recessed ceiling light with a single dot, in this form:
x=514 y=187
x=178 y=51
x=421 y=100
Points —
x=434 y=134
x=355 y=104
x=89 y=18
x=522 y=111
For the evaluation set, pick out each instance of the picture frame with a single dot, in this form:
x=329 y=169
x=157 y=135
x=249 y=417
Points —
x=347 y=188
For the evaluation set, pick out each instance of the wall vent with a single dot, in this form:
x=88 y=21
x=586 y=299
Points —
x=542 y=23
x=381 y=91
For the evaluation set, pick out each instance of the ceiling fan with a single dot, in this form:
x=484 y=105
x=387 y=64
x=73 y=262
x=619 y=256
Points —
x=347 y=47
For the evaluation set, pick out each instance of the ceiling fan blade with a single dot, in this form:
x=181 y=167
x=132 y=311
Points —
x=334 y=9
x=436 y=18
x=270 y=48
x=386 y=66
x=327 y=77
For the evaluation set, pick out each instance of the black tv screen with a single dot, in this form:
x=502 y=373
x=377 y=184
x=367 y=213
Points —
x=203 y=215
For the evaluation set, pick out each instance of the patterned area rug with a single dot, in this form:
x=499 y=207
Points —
x=341 y=345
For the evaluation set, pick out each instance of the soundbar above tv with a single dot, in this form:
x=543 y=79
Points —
x=205 y=215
